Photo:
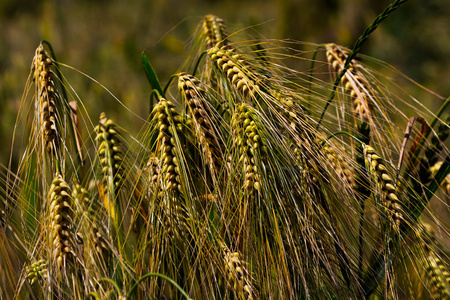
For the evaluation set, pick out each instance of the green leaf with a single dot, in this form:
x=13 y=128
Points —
x=151 y=75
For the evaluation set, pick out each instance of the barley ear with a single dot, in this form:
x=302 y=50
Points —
x=385 y=189
x=194 y=96
x=439 y=277
x=339 y=164
x=236 y=69
x=43 y=77
x=238 y=276
x=214 y=30
x=169 y=122
x=60 y=208
x=353 y=81
x=428 y=162
x=170 y=179
x=83 y=199
x=251 y=148
x=111 y=163
x=446 y=182
x=37 y=271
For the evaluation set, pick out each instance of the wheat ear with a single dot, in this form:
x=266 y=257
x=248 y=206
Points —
x=111 y=164
x=36 y=271
x=153 y=169
x=168 y=147
x=288 y=110
x=214 y=30
x=438 y=274
x=109 y=152
x=83 y=198
x=238 y=275
x=353 y=81
x=446 y=182
x=428 y=166
x=439 y=277
x=341 y=167
x=236 y=69
x=60 y=207
x=250 y=147
x=169 y=121
x=46 y=94
x=386 y=187
x=194 y=96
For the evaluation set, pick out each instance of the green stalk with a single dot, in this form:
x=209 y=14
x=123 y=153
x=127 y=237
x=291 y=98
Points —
x=115 y=285
x=168 y=83
x=338 y=133
x=161 y=276
x=198 y=62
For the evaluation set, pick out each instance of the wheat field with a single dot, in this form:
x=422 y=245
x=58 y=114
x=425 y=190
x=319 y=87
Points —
x=250 y=179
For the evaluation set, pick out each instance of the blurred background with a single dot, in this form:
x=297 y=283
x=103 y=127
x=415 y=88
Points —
x=104 y=39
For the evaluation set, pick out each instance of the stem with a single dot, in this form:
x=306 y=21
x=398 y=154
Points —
x=116 y=286
x=198 y=62
x=94 y=294
x=168 y=83
x=157 y=275
x=340 y=132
